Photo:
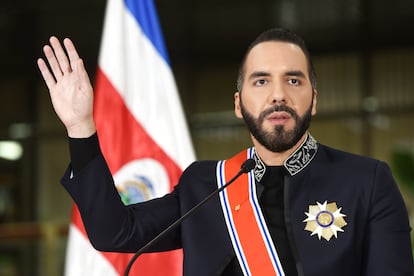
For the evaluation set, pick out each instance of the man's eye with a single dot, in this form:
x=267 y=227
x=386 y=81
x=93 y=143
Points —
x=260 y=82
x=294 y=81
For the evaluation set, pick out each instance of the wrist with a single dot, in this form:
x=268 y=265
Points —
x=82 y=130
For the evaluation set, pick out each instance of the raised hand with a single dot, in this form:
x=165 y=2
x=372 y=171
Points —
x=69 y=87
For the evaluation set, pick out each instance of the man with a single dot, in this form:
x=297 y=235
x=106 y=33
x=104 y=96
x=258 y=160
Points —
x=305 y=209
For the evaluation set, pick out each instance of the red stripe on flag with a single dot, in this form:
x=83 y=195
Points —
x=122 y=138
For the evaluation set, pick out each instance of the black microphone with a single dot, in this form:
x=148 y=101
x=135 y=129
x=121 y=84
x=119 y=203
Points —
x=246 y=167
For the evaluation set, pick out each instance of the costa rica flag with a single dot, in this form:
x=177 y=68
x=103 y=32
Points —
x=142 y=131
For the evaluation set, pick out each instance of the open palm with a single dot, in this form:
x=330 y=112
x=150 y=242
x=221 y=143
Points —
x=69 y=87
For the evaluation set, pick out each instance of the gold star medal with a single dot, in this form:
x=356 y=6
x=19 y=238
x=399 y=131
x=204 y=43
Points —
x=325 y=220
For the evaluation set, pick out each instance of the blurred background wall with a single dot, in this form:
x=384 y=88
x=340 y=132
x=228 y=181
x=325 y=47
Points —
x=363 y=52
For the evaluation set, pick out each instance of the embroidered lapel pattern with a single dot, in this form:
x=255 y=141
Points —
x=260 y=168
x=302 y=157
x=296 y=162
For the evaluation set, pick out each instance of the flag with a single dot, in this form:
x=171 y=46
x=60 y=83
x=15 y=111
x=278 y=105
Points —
x=141 y=128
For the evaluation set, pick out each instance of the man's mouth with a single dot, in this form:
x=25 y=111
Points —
x=279 y=117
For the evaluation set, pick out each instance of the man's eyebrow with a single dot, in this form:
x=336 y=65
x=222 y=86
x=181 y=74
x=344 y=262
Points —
x=295 y=73
x=258 y=74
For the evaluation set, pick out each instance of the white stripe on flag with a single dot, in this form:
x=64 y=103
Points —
x=85 y=264
x=145 y=82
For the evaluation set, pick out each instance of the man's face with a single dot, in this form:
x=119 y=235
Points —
x=278 y=101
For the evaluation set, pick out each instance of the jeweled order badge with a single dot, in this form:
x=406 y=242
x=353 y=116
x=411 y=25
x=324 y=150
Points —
x=325 y=220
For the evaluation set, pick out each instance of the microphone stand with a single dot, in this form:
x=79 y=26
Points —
x=247 y=166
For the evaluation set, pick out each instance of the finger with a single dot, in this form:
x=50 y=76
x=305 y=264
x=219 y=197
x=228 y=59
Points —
x=53 y=62
x=82 y=70
x=70 y=48
x=60 y=54
x=72 y=53
x=47 y=76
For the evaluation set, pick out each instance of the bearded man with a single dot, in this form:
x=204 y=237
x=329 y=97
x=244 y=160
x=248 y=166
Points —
x=305 y=208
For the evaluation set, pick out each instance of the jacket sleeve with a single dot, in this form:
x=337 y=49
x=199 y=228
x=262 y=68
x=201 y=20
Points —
x=112 y=226
x=387 y=244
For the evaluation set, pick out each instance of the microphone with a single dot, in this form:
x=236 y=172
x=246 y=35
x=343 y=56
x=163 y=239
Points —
x=246 y=167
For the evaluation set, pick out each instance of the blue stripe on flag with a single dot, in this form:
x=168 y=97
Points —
x=145 y=14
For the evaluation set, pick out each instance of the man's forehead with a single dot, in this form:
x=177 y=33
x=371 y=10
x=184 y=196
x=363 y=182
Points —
x=271 y=53
x=277 y=57
x=276 y=48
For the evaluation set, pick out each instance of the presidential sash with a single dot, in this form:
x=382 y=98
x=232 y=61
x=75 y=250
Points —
x=245 y=222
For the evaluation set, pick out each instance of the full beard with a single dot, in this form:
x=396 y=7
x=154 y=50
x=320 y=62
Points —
x=278 y=140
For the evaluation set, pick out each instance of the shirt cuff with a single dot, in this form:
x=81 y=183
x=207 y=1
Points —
x=82 y=151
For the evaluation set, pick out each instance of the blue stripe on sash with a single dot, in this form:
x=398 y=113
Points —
x=244 y=266
x=259 y=217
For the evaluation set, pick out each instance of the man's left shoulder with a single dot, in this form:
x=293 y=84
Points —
x=330 y=156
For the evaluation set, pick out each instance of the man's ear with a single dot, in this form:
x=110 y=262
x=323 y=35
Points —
x=315 y=101
x=237 y=108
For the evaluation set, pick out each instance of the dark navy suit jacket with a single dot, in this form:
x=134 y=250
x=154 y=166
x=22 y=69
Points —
x=375 y=241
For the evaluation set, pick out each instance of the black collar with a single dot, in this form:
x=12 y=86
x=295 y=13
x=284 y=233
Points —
x=296 y=162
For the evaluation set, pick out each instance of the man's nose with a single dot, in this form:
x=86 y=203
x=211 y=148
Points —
x=277 y=95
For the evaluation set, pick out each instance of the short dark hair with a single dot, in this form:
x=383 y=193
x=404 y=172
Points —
x=283 y=35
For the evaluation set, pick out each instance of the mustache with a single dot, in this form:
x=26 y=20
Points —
x=277 y=108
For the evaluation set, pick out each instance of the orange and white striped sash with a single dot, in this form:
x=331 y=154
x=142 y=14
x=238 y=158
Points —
x=246 y=225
